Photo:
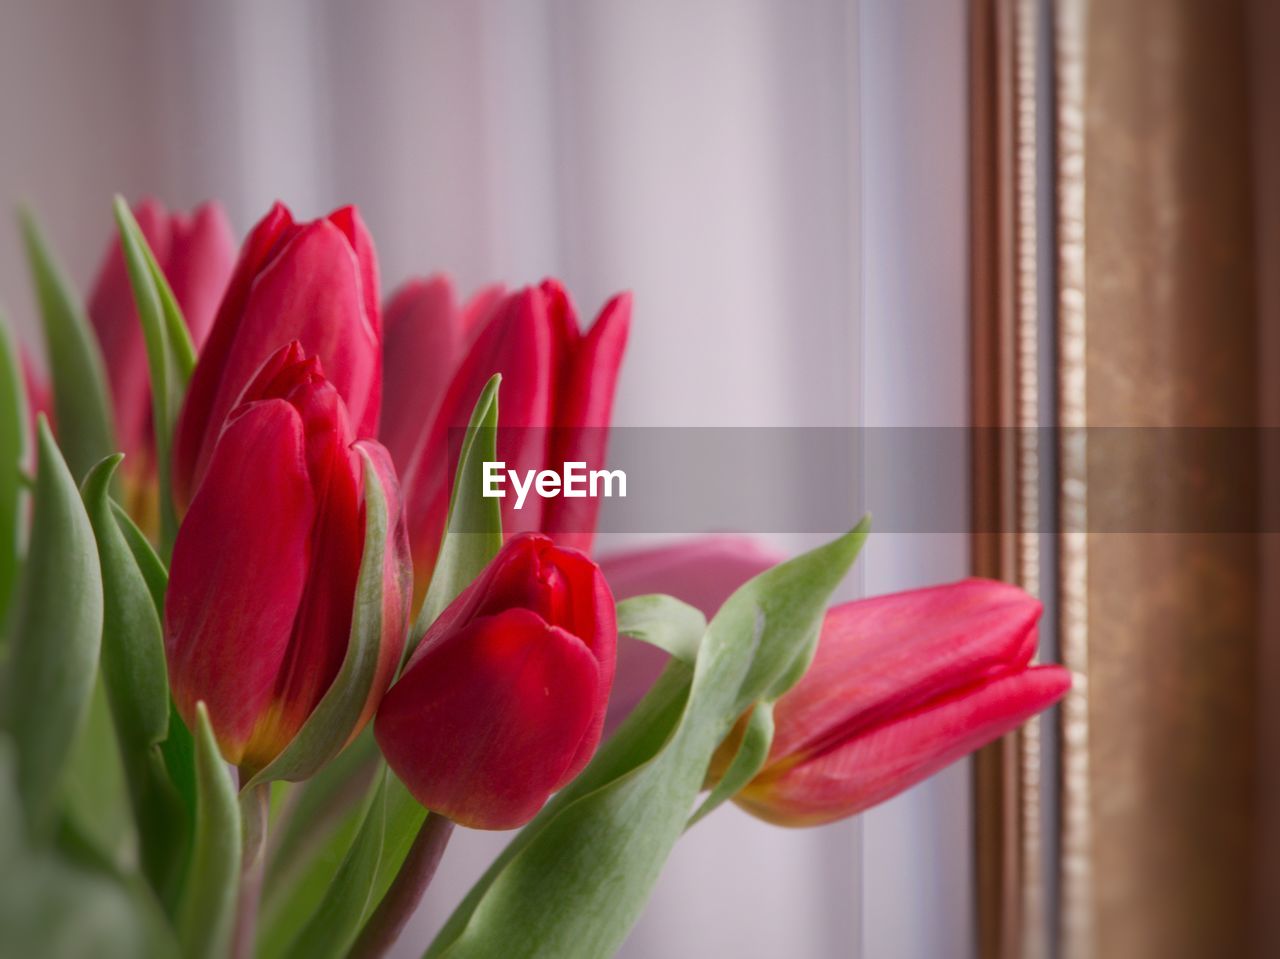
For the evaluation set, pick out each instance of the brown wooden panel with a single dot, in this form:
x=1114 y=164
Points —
x=1170 y=339
x=1003 y=308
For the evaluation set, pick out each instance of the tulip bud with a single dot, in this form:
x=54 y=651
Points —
x=427 y=334
x=504 y=700
x=901 y=686
x=259 y=607
x=552 y=376
x=195 y=252
x=316 y=283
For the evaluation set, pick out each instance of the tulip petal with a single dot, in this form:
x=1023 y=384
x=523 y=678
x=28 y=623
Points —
x=201 y=257
x=884 y=656
x=480 y=309
x=517 y=344
x=307 y=295
x=321 y=628
x=583 y=411
x=347 y=219
x=474 y=728
x=376 y=639
x=262 y=243
x=115 y=321
x=885 y=760
x=423 y=345
x=594 y=619
x=245 y=541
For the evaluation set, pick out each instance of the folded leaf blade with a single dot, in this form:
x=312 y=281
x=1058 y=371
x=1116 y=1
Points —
x=209 y=899
x=473 y=533
x=13 y=443
x=168 y=374
x=56 y=636
x=82 y=408
x=137 y=685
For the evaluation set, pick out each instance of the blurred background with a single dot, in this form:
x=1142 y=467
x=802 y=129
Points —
x=782 y=185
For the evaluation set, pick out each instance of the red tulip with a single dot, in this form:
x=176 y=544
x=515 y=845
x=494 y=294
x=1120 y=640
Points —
x=196 y=253
x=427 y=335
x=553 y=376
x=504 y=700
x=316 y=283
x=901 y=686
x=259 y=607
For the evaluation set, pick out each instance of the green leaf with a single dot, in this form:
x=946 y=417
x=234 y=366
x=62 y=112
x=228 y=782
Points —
x=133 y=661
x=178 y=334
x=179 y=753
x=329 y=727
x=178 y=748
x=13 y=444
x=54 y=904
x=317 y=825
x=312 y=810
x=94 y=792
x=82 y=406
x=137 y=684
x=56 y=637
x=636 y=741
x=333 y=926
x=663 y=621
x=575 y=879
x=170 y=356
x=208 y=908
x=473 y=533
x=747 y=761
x=149 y=564
x=77 y=849
x=404 y=819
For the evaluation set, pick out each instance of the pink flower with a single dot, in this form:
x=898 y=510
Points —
x=316 y=283
x=261 y=590
x=553 y=376
x=901 y=686
x=503 y=702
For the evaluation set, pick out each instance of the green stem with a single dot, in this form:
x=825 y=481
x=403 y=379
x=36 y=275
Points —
x=255 y=806
x=404 y=894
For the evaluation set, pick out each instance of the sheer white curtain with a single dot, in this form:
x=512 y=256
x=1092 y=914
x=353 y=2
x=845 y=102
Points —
x=780 y=183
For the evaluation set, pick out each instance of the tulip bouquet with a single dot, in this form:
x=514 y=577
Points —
x=265 y=644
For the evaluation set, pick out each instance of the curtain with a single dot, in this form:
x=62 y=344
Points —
x=782 y=185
